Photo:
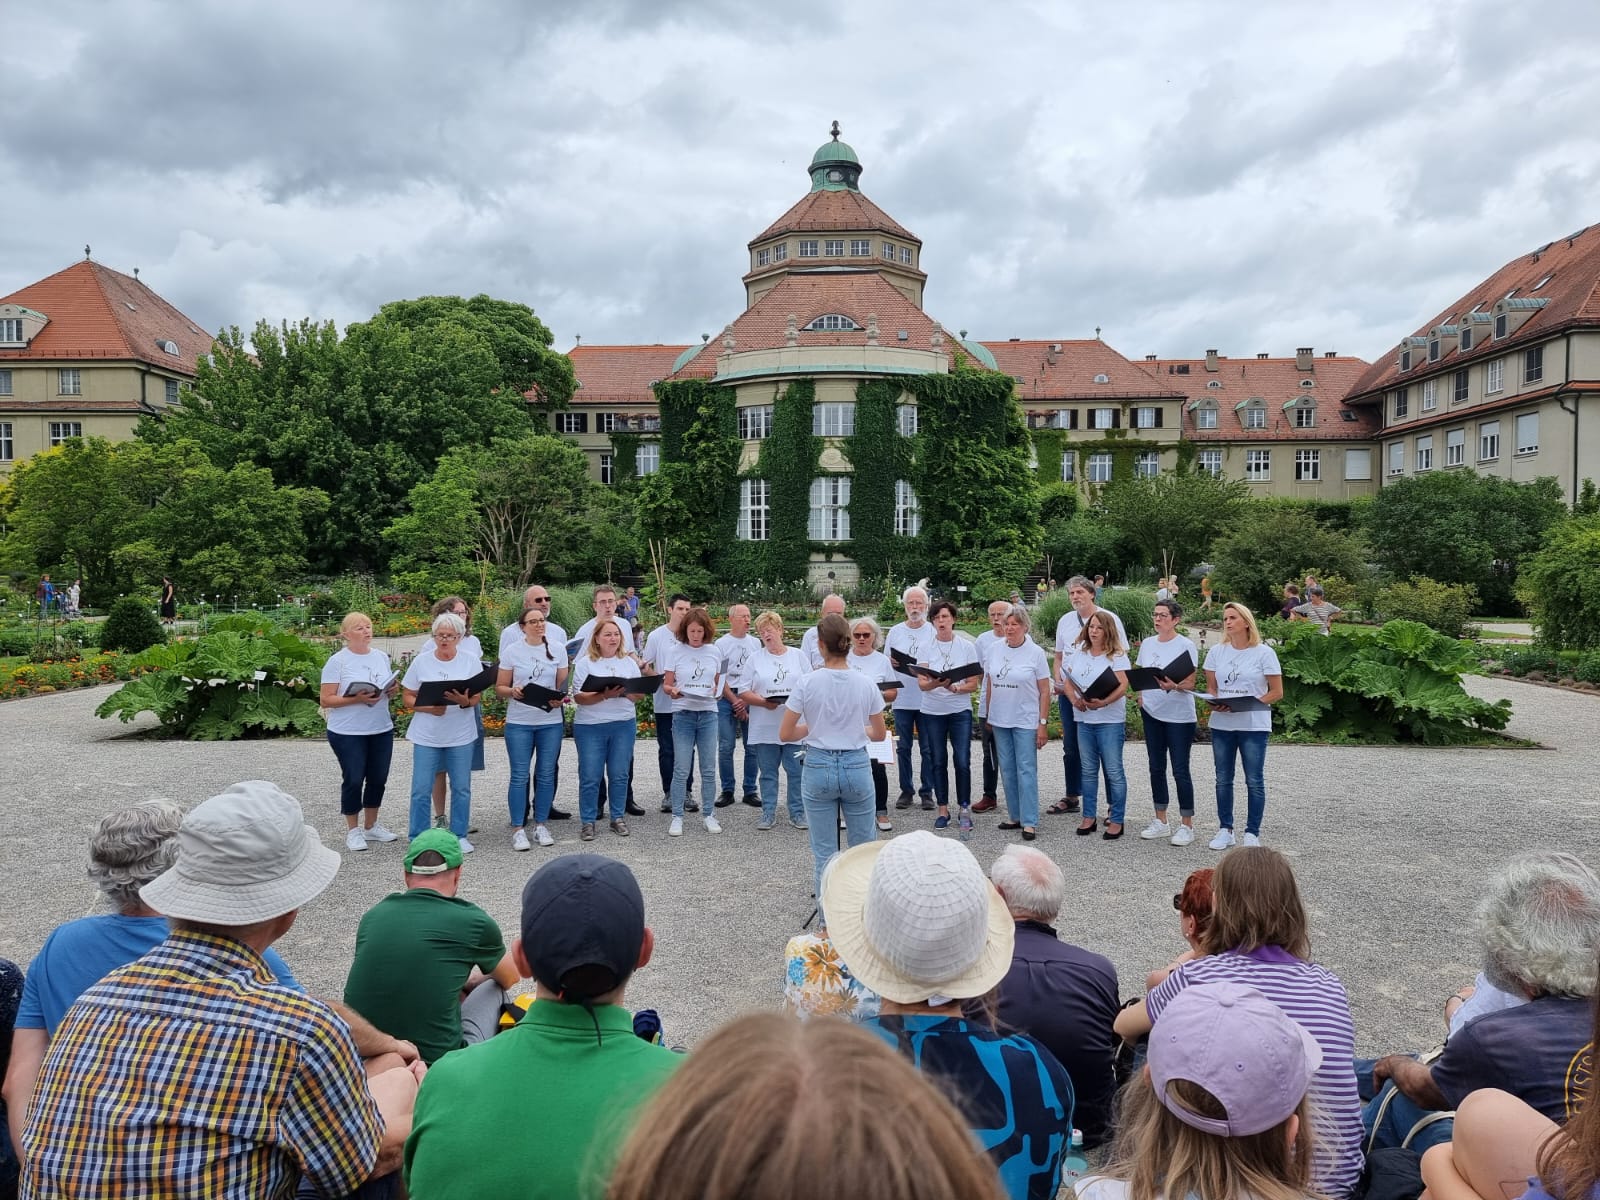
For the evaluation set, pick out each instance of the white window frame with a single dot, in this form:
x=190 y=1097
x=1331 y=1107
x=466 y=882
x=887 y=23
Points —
x=1255 y=417
x=906 y=419
x=63 y=431
x=647 y=459
x=834 y=419
x=755 y=423
x=171 y=391
x=1205 y=418
x=1402 y=403
x=1358 y=455
x=1526 y=445
x=755 y=510
x=1147 y=464
x=1533 y=364
x=1209 y=462
x=763 y=257
x=1494 y=376
x=832 y=323
x=1397 y=459
x=10 y=329
x=8 y=445
x=905 y=255
x=860 y=247
x=1147 y=417
x=1258 y=466
x=1102 y=418
x=572 y=422
x=605 y=422
x=1308 y=466
x=5 y=382
x=1430 y=395
x=780 y=252
x=1433 y=349
x=1069 y=466
x=608 y=469
x=833 y=248
x=1460 y=386
x=1488 y=441
x=69 y=381
x=829 y=519
x=1305 y=416
x=907 y=510
x=1455 y=447
x=1423 y=456
x=888 y=251
x=1098 y=468
x=808 y=248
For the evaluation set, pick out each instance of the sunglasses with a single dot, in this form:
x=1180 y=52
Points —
x=862 y=637
x=1177 y=901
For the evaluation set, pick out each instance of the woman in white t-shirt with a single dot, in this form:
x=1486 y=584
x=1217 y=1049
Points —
x=947 y=714
x=769 y=676
x=865 y=638
x=834 y=711
x=1102 y=724
x=356 y=686
x=1018 y=676
x=1169 y=723
x=442 y=735
x=1241 y=665
x=534 y=726
x=470 y=650
x=605 y=725
x=694 y=681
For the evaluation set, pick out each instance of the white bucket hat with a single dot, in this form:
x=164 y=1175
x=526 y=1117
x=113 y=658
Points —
x=244 y=856
x=915 y=919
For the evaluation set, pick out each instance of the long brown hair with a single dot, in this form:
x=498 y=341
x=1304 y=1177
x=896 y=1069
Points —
x=1108 y=626
x=1257 y=903
x=1569 y=1162
x=782 y=1109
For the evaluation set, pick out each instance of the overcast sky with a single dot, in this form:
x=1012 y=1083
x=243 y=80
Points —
x=1252 y=176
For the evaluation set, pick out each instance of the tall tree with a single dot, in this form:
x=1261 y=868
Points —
x=1174 y=518
x=1275 y=546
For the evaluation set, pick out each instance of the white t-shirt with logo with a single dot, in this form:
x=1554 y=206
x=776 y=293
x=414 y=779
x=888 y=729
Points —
x=1013 y=673
x=1174 y=707
x=1083 y=669
x=530 y=664
x=835 y=706
x=347 y=667
x=469 y=648
x=587 y=628
x=875 y=666
x=512 y=635
x=914 y=642
x=942 y=656
x=458 y=726
x=736 y=655
x=771 y=675
x=602 y=711
x=658 y=651
x=697 y=673
x=985 y=642
x=1242 y=673
x=1071 y=625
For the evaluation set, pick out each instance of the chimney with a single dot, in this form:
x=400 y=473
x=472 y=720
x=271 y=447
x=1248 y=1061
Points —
x=1211 y=360
x=1303 y=357
x=1330 y=354
x=1263 y=354
x=1149 y=358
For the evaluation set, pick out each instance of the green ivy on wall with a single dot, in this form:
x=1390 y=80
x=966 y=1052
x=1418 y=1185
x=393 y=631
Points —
x=1122 y=448
x=624 y=457
x=1048 y=446
x=700 y=456
x=879 y=457
x=788 y=462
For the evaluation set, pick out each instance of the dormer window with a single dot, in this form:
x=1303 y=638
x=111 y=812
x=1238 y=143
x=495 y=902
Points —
x=763 y=257
x=1499 y=326
x=1308 y=383
x=168 y=346
x=1214 y=384
x=1102 y=379
x=1405 y=360
x=1433 y=349
x=1305 y=415
x=1466 y=337
x=10 y=330
x=1252 y=413
x=831 y=323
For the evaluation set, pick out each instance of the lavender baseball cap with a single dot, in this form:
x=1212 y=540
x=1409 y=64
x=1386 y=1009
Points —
x=1242 y=1048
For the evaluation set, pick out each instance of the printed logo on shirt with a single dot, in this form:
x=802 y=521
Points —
x=1580 y=1077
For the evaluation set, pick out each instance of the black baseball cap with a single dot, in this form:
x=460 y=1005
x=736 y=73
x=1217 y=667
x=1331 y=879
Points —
x=582 y=910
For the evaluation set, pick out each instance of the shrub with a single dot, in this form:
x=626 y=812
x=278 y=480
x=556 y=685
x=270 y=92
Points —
x=1443 y=607
x=1525 y=661
x=1588 y=668
x=131 y=627
x=1275 y=546
x=1561 y=584
x=1134 y=606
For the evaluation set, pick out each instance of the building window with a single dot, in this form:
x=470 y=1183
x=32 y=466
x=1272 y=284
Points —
x=780 y=252
x=647 y=458
x=70 y=381
x=1069 y=463
x=1255 y=417
x=605 y=422
x=571 y=422
x=905 y=416
x=172 y=391
x=1147 y=464
x=755 y=423
x=1099 y=468
x=1257 y=466
x=1405 y=360
x=763 y=257
x=1307 y=466
x=1209 y=462
x=607 y=470
x=1460 y=387
x=1500 y=326
x=1430 y=395
x=830 y=509
x=860 y=247
x=1533 y=365
x=10 y=329
x=830 y=323
x=907 y=513
x=1102 y=418
x=808 y=247
x=1402 y=402
x=1494 y=377
x=833 y=247
x=1147 y=418
x=1305 y=416
x=1433 y=349
x=755 y=511
x=7 y=447
x=833 y=420
x=5 y=383
x=1528 y=433
x=1397 y=458
x=1358 y=464
x=1063 y=418
x=1488 y=441
x=905 y=255
x=1205 y=418
x=60 y=431
x=888 y=251
x=1455 y=447
x=1466 y=337
x=1425 y=452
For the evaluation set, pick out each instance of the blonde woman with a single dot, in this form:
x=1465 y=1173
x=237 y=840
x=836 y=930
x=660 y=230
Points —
x=356 y=686
x=1243 y=666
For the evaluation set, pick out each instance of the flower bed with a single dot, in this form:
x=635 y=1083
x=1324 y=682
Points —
x=55 y=675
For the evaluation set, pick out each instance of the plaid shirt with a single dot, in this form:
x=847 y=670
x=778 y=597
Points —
x=189 y=1072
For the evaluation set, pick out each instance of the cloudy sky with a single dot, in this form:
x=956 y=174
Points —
x=1253 y=175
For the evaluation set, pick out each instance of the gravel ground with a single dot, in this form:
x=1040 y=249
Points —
x=1390 y=846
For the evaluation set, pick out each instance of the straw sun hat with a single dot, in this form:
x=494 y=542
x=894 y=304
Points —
x=915 y=919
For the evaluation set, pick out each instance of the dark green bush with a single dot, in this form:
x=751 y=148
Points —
x=1443 y=607
x=1588 y=668
x=131 y=627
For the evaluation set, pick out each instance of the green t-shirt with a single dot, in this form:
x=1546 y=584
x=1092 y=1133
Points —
x=540 y=1110
x=414 y=951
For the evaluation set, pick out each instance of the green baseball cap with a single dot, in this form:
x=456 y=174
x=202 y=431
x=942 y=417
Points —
x=442 y=841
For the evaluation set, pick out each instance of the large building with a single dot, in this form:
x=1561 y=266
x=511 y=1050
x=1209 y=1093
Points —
x=85 y=353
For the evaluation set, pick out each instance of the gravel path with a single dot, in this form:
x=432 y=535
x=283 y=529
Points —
x=1390 y=846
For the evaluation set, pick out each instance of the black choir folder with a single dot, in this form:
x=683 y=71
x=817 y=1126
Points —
x=536 y=695
x=1102 y=686
x=634 y=685
x=953 y=675
x=361 y=687
x=432 y=692
x=1238 y=704
x=1148 y=679
x=902 y=661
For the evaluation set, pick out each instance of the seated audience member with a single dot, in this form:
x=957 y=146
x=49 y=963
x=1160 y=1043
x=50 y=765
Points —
x=916 y=921
x=1259 y=937
x=417 y=950
x=776 y=1109
x=1064 y=997
x=1194 y=918
x=1539 y=924
x=10 y=997
x=816 y=983
x=1220 y=1109
x=476 y=1133
x=189 y=1072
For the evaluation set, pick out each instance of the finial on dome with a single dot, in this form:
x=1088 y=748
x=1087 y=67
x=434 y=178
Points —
x=835 y=131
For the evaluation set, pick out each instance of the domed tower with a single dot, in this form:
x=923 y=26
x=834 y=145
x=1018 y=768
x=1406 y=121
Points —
x=835 y=229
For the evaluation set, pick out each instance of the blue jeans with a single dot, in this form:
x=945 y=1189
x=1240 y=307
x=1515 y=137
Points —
x=1251 y=747
x=521 y=742
x=694 y=732
x=906 y=722
x=1071 y=760
x=605 y=748
x=666 y=751
x=428 y=761
x=950 y=739
x=1018 y=752
x=729 y=730
x=363 y=760
x=1164 y=740
x=1398 y=1118
x=770 y=758
x=1101 y=749
x=835 y=781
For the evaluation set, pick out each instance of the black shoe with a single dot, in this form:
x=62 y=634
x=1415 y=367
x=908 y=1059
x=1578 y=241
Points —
x=691 y=806
x=928 y=804
x=635 y=811
x=904 y=801
x=753 y=800
x=557 y=815
x=1086 y=830
x=1108 y=835
x=724 y=799
x=666 y=806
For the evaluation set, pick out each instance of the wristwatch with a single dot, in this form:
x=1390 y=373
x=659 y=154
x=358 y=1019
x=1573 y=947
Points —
x=1044 y=720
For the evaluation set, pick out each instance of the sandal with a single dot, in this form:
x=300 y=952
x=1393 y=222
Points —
x=1067 y=804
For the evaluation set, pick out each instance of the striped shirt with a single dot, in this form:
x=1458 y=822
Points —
x=190 y=1073
x=1314 y=997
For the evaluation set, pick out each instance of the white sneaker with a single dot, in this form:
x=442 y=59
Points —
x=713 y=825
x=543 y=836
x=1250 y=839
x=1223 y=840
x=466 y=846
x=1156 y=829
x=355 y=840
x=519 y=840
x=377 y=833
x=676 y=828
x=1183 y=835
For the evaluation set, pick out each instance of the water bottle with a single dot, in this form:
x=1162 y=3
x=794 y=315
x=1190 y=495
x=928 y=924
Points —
x=1074 y=1166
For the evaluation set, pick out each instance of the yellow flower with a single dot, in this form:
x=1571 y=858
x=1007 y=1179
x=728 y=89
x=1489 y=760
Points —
x=822 y=966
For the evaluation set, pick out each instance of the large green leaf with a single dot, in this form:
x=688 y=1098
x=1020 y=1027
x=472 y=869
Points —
x=164 y=695
x=224 y=717
x=1302 y=705
x=234 y=657
x=1414 y=641
x=275 y=709
x=1316 y=659
x=295 y=652
x=169 y=654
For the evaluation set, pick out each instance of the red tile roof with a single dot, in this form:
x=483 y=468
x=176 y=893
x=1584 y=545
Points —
x=1572 y=289
x=1276 y=381
x=1069 y=373
x=827 y=211
x=620 y=374
x=855 y=294
x=98 y=313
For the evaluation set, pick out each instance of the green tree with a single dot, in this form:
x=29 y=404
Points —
x=1273 y=547
x=64 y=513
x=1085 y=544
x=431 y=542
x=1561 y=584
x=1173 y=518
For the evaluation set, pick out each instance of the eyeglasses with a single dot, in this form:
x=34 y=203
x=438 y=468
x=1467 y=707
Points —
x=862 y=637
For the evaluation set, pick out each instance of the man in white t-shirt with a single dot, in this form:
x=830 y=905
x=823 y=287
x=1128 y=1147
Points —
x=913 y=636
x=659 y=648
x=733 y=718
x=538 y=596
x=991 y=755
x=1082 y=593
x=605 y=606
x=831 y=603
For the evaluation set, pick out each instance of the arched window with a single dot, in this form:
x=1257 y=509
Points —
x=830 y=323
